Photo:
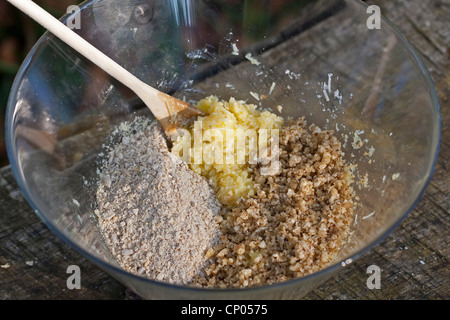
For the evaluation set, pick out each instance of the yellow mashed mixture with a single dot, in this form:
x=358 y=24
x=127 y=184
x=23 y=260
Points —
x=221 y=129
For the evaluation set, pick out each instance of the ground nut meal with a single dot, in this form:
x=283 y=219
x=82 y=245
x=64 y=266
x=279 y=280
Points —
x=171 y=216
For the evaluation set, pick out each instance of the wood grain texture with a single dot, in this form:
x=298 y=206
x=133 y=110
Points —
x=413 y=259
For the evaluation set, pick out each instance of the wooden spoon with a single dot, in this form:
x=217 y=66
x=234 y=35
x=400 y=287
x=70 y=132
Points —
x=168 y=110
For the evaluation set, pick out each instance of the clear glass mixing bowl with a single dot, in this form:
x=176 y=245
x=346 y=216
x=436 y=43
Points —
x=318 y=59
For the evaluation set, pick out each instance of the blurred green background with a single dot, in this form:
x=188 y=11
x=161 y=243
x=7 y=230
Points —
x=18 y=34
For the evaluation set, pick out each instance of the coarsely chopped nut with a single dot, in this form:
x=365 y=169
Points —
x=298 y=220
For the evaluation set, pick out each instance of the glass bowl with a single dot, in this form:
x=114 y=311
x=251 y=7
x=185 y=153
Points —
x=318 y=59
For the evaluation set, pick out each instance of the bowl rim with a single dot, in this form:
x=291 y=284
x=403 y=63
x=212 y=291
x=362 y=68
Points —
x=10 y=147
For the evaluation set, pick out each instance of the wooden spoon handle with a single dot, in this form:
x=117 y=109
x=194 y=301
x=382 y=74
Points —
x=161 y=104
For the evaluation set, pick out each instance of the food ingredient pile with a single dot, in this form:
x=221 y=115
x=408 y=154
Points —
x=267 y=228
x=231 y=180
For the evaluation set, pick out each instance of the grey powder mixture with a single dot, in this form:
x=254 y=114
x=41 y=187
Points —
x=157 y=216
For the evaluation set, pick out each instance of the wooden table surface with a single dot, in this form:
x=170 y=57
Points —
x=413 y=259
